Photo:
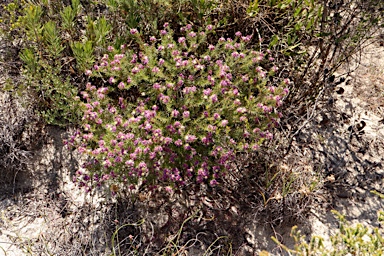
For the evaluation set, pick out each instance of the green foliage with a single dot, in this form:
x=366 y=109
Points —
x=196 y=106
x=52 y=39
x=83 y=52
x=350 y=239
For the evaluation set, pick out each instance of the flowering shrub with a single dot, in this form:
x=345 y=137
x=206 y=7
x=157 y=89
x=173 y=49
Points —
x=194 y=107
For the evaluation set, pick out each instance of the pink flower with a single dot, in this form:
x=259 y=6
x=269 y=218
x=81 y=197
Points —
x=224 y=123
x=145 y=60
x=175 y=113
x=213 y=183
x=111 y=80
x=135 y=70
x=238 y=34
x=181 y=40
x=121 y=85
x=190 y=138
x=237 y=102
x=156 y=86
x=133 y=31
x=209 y=27
x=130 y=163
x=214 y=98
x=207 y=92
x=243 y=118
x=107 y=163
x=186 y=114
x=211 y=47
x=165 y=99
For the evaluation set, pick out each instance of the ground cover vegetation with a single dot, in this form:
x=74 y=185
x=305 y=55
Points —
x=180 y=97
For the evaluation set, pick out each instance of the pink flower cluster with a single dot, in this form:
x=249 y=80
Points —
x=187 y=124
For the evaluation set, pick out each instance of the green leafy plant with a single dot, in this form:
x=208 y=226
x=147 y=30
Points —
x=194 y=107
x=349 y=240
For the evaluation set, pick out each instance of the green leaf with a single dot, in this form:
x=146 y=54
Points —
x=52 y=39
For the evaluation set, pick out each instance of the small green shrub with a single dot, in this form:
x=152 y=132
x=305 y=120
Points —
x=349 y=240
x=193 y=107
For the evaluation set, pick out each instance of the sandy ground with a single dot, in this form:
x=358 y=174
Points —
x=344 y=142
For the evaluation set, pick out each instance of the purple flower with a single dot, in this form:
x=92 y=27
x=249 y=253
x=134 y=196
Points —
x=216 y=116
x=209 y=27
x=161 y=62
x=207 y=58
x=142 y=166
x=129 y=163
x=166 y=24
x=152 y=39
x=156 y=86
x=214 y=98
x=107 y=163
x=133 y=31
x=192 y=34
x=111 y=80
x=272 y=89
x=246 y=38
x=121 y=85
x=243 y=118
x=110 y=49
x=207 y=92
x=160 y=48
x=178 y=143
x=213 y=183
x=188 y=90
x=145 y=60
x=181 y=40
x=155 y=70
x=135 y=70
x=235 y=55
x=237 y=102
x=190 y=138
x=211 y=47
x=238 y=34
x=256 y=130
x=186 y=114
x=224 y=123
x=175 y=113
x=255 y=147
x=211 y=128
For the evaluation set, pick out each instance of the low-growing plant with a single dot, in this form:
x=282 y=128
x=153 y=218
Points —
x=349 y=240
x=175 y=112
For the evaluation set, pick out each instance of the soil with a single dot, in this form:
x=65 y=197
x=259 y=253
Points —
x=342 y=146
